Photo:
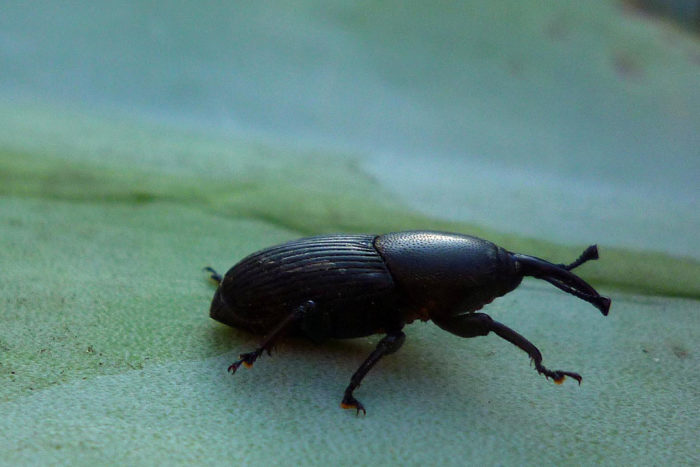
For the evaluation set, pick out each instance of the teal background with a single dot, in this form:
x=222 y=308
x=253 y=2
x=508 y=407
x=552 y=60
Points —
x=141 y=141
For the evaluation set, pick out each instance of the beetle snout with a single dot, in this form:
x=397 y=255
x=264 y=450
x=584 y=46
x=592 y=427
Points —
x=560 y=276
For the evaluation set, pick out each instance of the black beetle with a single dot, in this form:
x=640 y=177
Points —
x=345 y=286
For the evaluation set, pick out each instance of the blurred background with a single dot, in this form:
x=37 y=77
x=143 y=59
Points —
x=543 y=119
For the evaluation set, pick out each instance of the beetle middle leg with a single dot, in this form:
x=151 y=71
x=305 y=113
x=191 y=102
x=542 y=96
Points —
x=480 y=324
x=247 y=359
x=388 y=345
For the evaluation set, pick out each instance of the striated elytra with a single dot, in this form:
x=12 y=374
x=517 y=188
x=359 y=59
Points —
x=346 y=286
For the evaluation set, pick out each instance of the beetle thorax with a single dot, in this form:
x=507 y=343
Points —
x=443 y=274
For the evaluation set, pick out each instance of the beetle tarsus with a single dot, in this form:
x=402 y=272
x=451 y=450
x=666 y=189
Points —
x=246 y=359
x=558 y=376
x=234 y=366
x=349 y=402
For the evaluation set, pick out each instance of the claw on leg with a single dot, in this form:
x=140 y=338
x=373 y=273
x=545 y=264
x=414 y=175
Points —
x=557 y=376
x=349 y=402
x=246 y=359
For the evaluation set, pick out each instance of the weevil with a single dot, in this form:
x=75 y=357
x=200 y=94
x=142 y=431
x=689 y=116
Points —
x=349 y=286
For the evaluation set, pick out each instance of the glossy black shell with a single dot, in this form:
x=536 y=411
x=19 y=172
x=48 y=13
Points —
x=364 y=284
x=441 y=274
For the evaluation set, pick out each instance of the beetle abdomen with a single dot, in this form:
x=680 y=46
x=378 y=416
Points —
x=343 y=274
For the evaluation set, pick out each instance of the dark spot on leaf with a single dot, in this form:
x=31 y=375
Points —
x=626 y=65
x=680 y=352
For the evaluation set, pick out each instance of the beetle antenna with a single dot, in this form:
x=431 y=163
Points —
x=588 y=254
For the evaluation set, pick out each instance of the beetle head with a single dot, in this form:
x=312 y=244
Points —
x=560 y=275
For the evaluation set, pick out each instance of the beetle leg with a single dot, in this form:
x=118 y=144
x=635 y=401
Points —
x=388 y=345
x=480 y=324
x=214 y=276
x=247 y=359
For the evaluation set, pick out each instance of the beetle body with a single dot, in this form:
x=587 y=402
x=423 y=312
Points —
x=364 y=283
x=347 y=286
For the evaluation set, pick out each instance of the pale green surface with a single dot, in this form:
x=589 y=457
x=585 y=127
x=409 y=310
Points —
x=138 y=145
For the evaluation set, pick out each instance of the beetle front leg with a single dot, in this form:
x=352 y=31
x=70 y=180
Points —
x=247 y=359
x=480 y=324
x=388 y=345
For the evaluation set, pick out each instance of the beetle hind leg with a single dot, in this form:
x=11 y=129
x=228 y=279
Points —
x=247 y=359
x=480 y=324
x=214 y=276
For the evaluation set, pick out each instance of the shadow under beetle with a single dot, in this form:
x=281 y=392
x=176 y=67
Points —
x=346 y=286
